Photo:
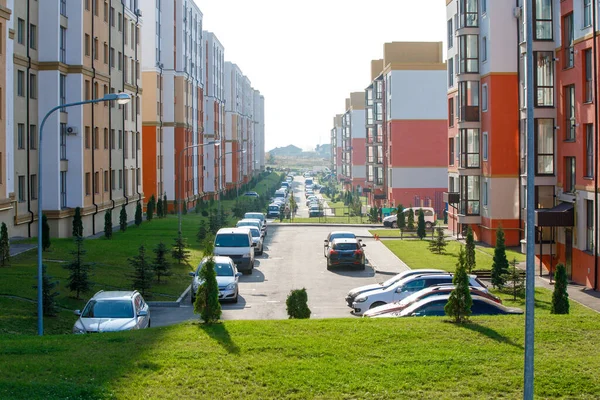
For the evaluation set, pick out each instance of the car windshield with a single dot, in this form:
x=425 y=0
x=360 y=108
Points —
x=347 y=235
x=345 y=246
x=108 y=309
x=254 y=216
x=224 y=269
x=232 y=240
x=255 y=232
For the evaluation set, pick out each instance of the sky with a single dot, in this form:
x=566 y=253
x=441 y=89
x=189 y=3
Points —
x=307 y=57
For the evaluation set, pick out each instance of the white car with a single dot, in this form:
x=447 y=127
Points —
x=257 y=239
x=404 y=288
x=257 y=223
x=352 y=294
x=227 y=278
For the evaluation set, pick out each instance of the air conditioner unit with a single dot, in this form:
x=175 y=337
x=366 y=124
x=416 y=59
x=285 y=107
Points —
x=138 y=12
x=71 y=130
x=517 y=12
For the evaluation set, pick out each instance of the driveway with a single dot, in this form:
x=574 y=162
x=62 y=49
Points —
x=293 y=259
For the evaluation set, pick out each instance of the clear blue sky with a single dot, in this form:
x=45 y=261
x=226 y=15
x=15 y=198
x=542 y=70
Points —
x=306 y=57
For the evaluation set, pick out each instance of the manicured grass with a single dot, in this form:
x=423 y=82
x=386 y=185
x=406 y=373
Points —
x=19 y=317
x=354 y=358
x=416 y=254
x=510 y=253
x=330 y=220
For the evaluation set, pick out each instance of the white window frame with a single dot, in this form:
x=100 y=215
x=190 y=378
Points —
x=484 y=146
x=484 y=97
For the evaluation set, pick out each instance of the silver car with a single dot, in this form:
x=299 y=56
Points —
x=257 y=239
x=113 y=311
x=227 y=278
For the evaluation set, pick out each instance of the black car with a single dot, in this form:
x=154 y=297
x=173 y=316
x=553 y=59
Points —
x=346 y=252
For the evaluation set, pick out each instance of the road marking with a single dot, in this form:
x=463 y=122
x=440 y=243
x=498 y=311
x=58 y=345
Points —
x=273 y=301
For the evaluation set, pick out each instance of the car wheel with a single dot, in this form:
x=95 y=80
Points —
x=428 y=225
x=362 y=266
x=377 y=304
x=249 y=272
x=394 y=224
x=235 y=300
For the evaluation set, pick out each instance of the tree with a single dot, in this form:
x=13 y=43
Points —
x=410 y=223
x=123 y=219
x=207 y=297
x=439 y=243
x=4 y=245
x=179 y=252
x=161 y=264
x=297 y=304
x=560 y=296
x=470 y=251
x=514 y=281
x=159 y=208
x=421 y=225
x=45 y=233
x=79 y=271
x=77 y=223
x=460 y=301
x=49 y=293
x=150 y=208
x=165 y=205
x=142 y=272
x=138 y=214
x=500 y=262
x=401 y=217
x=108 y=228
x=213 y=222
x=202 y=231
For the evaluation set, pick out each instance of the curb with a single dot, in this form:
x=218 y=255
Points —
x=321 y=224
x=171 y=304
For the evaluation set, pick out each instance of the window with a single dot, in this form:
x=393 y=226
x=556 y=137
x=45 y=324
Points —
x=32 y=36
x=544 y=79
x=95 y=49
x=589 y=150
x=484 y=97
x=21 y=136
x=21 y=188
x=484 y=195
x=33 y=137
x=105 y=11
x=450 y=73
x=63 y=141
x=21 y=83
x=543 y=19
x=63 y=7
x=106 y=181
x=32 y=86
x=569 y=96
x=95 y=93
x=120 y=22
x=468 y=53
x=125 y=145
x=587 y=13
x=451 y=151
x=112 y=139
x=120 y=179
x=62 y=89
x=484 y=145
x=87 y=45
x=120 y=61
x=113 y=181
x=88 y=183
x=469 y=145
x=451 y=116
x=105 y=138
x=63 y=44
x=544 y=142
x=33 y=186
x=587 y=56
x=20 y=31
x=120 y=139
x=105 y=53
x=468 y=13
x=589 y=232
x=111 y=57
x=483 y=6
x=88 y=90
x=96 y=182
x=469 y=195
x=484 y=49
x=468 y=95
x=112 y=17
x=569 y=184
x=568 y=37
x=95 y=7
x=450 y=34
x=96 y=138
x=63 y=189
x=88 y=137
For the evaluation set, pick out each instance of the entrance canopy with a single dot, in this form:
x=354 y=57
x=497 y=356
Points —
x=562 y=214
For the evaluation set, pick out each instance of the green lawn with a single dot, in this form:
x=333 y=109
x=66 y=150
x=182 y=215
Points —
x=111 y=269
x=416 y=254
x=330 y=220
x=353 y=358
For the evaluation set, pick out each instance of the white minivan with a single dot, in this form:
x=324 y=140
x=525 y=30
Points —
x=391 y=220
x=237 y=244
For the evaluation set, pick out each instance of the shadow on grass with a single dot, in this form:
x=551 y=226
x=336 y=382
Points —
x=219 y=333
x=489 y=332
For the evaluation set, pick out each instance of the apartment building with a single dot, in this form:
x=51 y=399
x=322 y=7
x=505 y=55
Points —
x=173 y=66
x=6 y=110
x=234 y=124
x=375 y=161
x=247 y=131
x=258 y=143
x=353 y=172
x=214 y=121
x=336 y=146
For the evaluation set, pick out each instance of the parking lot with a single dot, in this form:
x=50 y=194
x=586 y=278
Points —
x=293 y=259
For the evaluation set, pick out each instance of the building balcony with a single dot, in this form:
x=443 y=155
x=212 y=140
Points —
x=468 y=219
x=451 y=197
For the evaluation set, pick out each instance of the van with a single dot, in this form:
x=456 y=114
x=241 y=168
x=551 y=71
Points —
x=430 y=217
x=236 y=243
x=280 y=193
x=308 y=182
x=273 y=210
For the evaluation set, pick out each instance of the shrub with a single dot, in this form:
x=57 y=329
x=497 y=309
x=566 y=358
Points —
x=123 y=219
x=161 y=265
x=45 y=233
x=410 y=221
x=514 y=283
x=421 y=225
x=560 y=296
x=108 y=227
x=179 y=251
x=77 y=223
x=438 y=244
x=150 y=208
x=500 y=262
x=79 y=271
x=165 y=205
x=470 y=251
x=138 y=214
x=202 y=231
x=401 y=217
x=4 y=245
x=297 y=304
x=460 y=301
x=49 y=294
x=159 y=208
x=207 y=297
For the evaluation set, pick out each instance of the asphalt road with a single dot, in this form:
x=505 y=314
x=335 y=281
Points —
x=293 y=259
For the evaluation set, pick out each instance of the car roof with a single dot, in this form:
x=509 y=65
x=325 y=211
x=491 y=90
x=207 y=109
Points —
x=115 y=295
x=254 y=213
x=341 y=232
x=218 y=259
x=233 y=230
x=253 y=220
x=345 y=240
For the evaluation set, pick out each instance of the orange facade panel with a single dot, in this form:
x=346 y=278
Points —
x=149 y=161
x=418 y=143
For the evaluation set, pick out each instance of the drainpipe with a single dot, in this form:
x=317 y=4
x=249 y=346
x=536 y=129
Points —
x=595 y=80
x=110 y=149
x=93 y=130
x=519 y=121
x=123 y=111
x=27 y=126
x=137 y=111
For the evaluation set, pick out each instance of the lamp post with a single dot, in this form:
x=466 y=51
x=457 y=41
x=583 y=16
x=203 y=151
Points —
x=121 y=98
x=180 y=163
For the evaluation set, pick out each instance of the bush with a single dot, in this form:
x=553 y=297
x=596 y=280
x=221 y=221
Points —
x=159 y=208
x=179 y=252
x=560 y=296
x=4 y=245
x=470 y=251
x=207 y=297
x=297 y=304
x=77 y=223
x=150 y=208
x=123 y=219
x=514 y=283
x=460 y=301
x=410 y=221
x=138 y=214
x=421 y=225
x=500 y=262
x=108 y=228
x=438 y=244
x=49 y=294
x=45 y=233
x=202 y=231
x=165 y=205
x=401 y=217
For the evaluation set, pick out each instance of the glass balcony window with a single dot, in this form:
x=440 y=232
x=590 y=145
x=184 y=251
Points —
x=469 y=146
x=468 y=94
x=544 y=146
x=469 y=195
x=369 y=92
x=468 y=10
x=544 y=79
x=568 y=37
x=468 y=46
x=543 y=19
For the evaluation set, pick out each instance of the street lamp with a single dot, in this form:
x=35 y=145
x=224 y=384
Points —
x=120 y=98
x=179 y=161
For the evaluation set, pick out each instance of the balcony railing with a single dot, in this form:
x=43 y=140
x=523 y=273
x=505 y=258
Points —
x=469 y=207
x=469 y=114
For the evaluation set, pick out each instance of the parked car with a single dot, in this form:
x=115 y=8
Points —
x=237 y=244
x=346 y=252
x=309 y=192
x=391 y=221
x=273 y=210
x=392 y=308
x=113 y=311
x=257 y=223
x=315 y=211
x=257 y=239
x=311 y=198
x=352 y=294
x=258 y=215
x=404 y=288
x=227 y=278
x=251 y=194
x=434 y=306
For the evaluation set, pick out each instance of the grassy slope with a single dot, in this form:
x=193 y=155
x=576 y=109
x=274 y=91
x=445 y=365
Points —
x=416 y=254
x=334 y=359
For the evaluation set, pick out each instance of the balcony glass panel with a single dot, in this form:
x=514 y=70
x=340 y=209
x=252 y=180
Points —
x=469 y=157
x=469 y=195
x=469 y=54
x=545 y=146
x=544 y=79
x=468 y=13
x=543 y=19
x=468 y=93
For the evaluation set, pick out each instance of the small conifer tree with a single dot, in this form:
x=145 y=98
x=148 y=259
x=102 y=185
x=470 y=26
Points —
x=4 y=245
x=108 y=227
x=560 y=296
x=179 y=251
x=77 y=223
x=470 y=251
x=165 y=205
x=500 y=262
x=202 y=231
x=401 y=217
x=138 y=214
x=421 y=233
x=460 y=301
x=142 y=272
x=207 y=297
x=159 y=208
x=438 y=244
x=161 y=265
x=79 y=271
x=150 y=208
x=49 y=294
x=123 y=219
x=45 y=233
x=297 y=304
x=410 y=221
x=513 y=281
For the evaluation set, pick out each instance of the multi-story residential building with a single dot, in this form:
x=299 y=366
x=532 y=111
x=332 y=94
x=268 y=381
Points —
x=353 y=143
x=214 y=122
x=247 y=130
x=336 y=147
x=375 y=191
x=173 y=66
x=64 y=53
x=258 y=143
x=6 y=110
x=234 y=96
